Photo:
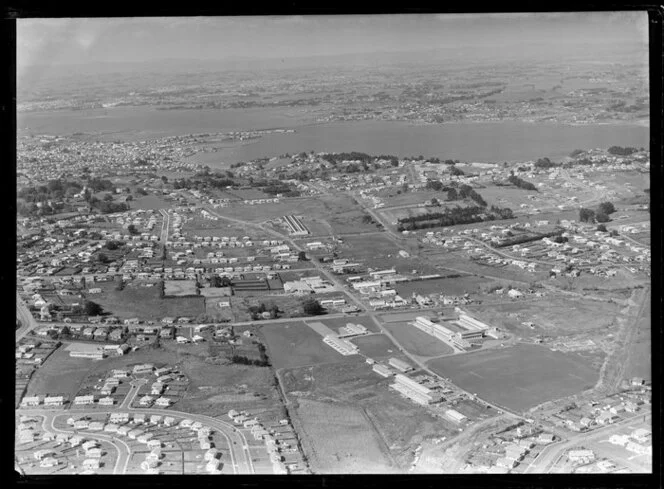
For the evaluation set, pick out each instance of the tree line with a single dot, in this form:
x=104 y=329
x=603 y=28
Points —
x=521 y=183
x=453 y=216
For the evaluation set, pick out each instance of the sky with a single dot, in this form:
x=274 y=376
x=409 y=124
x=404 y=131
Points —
x=63 y=42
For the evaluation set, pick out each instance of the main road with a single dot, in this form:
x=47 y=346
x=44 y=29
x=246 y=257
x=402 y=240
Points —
x=28 y=322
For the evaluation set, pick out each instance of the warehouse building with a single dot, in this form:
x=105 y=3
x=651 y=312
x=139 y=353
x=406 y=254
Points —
x=400 y=365
x=342 y=346
x=414 y=391
x=295 y=226
x=439 y=331
x=382 y=370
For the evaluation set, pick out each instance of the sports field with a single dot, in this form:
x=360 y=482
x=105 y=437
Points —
x=376 y=346
x=417 y=342
x=296 y=344
x=519 y=377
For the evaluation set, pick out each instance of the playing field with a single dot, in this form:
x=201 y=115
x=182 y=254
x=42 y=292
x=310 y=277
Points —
x=519 y=377
x=296 y=344
x=376 y=346
x=417 y=342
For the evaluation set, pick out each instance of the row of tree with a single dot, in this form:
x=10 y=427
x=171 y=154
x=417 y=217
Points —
x=453 y=216
x=521 y=183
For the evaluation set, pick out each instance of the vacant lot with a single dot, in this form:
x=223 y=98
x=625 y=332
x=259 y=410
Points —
x=350 y=222
x=179 y=287
x=145 y=303
x=519 y=377
x=640 y=354
x=376 y=346
x=296 y=344
x=417 y=342
x=551 y=315
x=345 y=443
x=401 y=424
x=377 y=251
x=61 y=374
x=149 y=202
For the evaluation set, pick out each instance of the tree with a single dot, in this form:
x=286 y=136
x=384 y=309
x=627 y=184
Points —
x=301 y=256
x=225 y=281
x=164 y=179
x=434 y=201
x=274 y=310
x=215 y=281
x=456 y=171
x=606 y=208
x=92 y=308
x=602 y=217
x=65 y=331
x=312 y=307
x=108 y=198
x=601 y=227
x=132 y=229
x=436 y=185
x=102 y=258
x=452 y=194
x=586 y=215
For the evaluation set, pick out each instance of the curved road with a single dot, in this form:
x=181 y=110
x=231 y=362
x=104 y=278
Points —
x=238 y=447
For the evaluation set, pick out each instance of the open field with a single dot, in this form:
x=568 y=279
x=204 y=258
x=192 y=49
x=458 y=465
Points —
x=316 y=207
x=551 y=315
x=289 y=305
x=447 y=286
x=417 y=342
x=640 y=354
x=149 y=202
x=296 y=344
x=179 y=287
x=518 y=377
x=345 y=443
x=377 y=251
x=408 y=198
x=376 y=346
x=145 y=303
x=61 y=374
x=350 y=222
x=402 y=425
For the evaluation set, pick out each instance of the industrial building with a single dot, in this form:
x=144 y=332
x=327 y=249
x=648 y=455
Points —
x=381 y=369
x=400 y=365
x=94 y=354
x=414 y=391
x=295 y=226
x=455 y=416
x=344 y=347
x=439 y=331
x=352 y=330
